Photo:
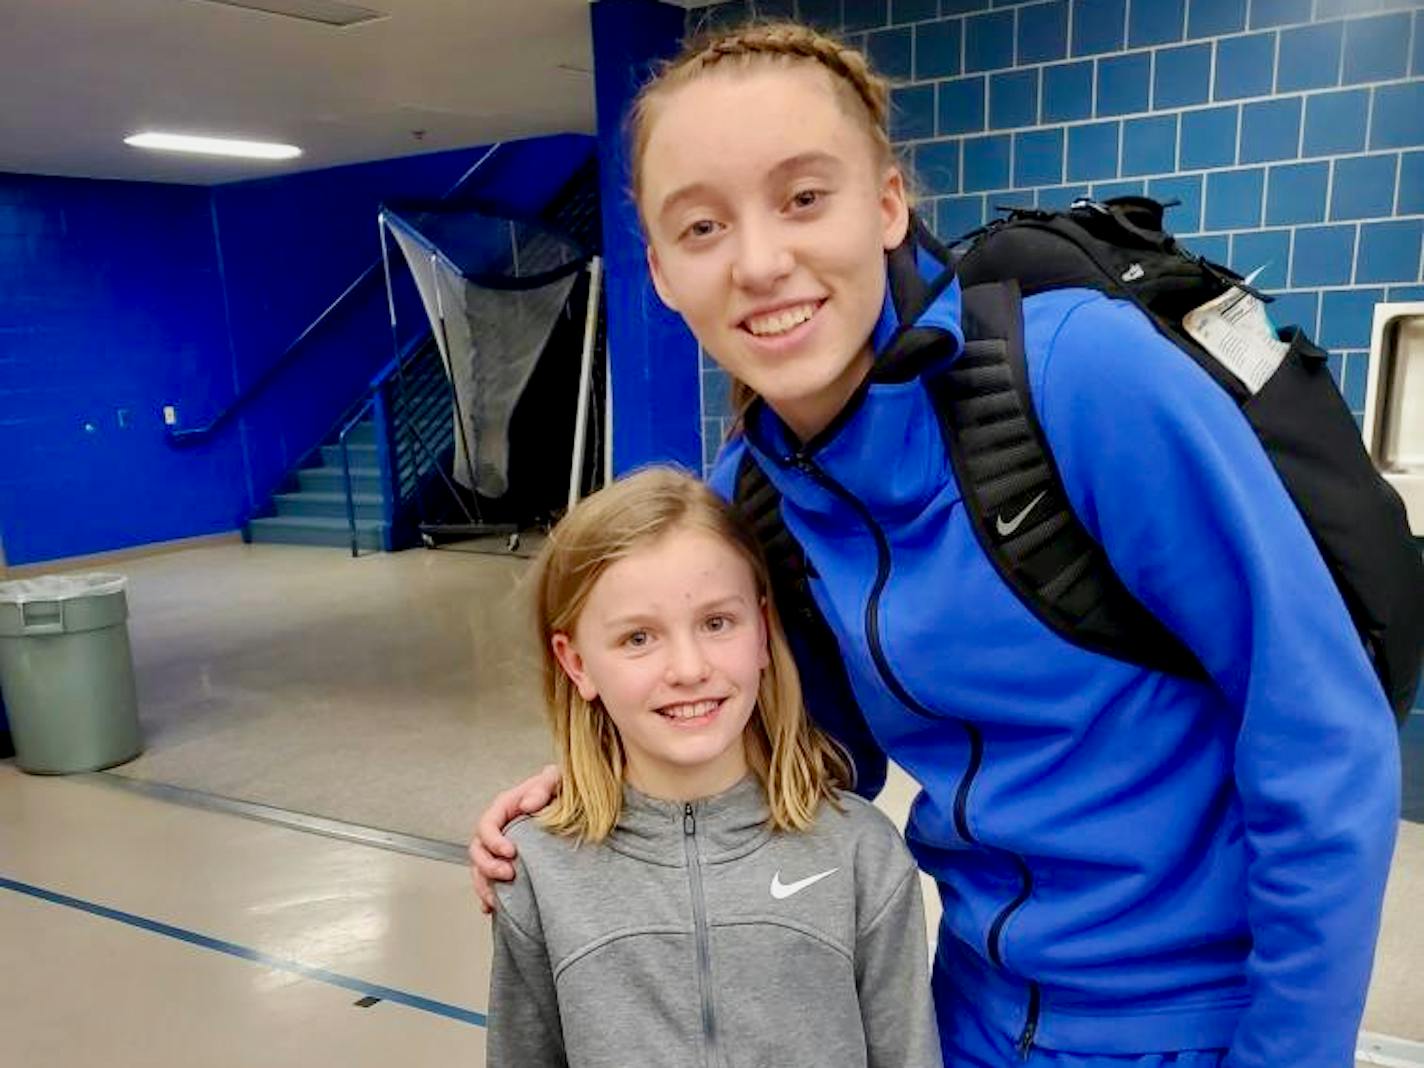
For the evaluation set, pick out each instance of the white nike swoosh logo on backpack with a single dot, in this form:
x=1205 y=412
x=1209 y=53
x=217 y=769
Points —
x=780 y=890
x=1005 y=529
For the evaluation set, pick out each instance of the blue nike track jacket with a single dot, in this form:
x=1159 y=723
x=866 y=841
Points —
x=1130 y=862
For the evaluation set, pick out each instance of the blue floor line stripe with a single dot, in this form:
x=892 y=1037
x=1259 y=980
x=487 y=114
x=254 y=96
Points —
x=360 y=986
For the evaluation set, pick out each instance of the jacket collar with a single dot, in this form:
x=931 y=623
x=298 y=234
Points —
x=728 y=825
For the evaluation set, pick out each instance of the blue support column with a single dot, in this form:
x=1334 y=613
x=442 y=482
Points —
x=656 y=401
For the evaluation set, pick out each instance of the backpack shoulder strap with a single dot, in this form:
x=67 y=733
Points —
x=825 y=683
x=1016 y=501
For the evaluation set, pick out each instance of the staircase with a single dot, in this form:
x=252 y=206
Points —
x=410 y=401
x=315 y=512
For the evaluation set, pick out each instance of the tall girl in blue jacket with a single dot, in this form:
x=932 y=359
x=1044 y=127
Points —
x=1135 y=867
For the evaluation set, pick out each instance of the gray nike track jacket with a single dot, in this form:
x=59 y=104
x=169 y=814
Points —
x=696 y=937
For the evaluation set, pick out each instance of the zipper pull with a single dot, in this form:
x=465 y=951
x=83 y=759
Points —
x=800 y=460
x=1026 y=1042
x=689 y=822
x=1030 y=1030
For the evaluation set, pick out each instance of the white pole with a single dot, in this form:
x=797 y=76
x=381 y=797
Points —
x=590 y=336
x=607 y=417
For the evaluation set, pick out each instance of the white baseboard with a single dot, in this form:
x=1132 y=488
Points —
x=1389 y=1051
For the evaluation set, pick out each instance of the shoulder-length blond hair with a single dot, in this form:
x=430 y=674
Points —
x=797 y=764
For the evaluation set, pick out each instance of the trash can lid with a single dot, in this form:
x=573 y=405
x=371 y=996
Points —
x=61 y=587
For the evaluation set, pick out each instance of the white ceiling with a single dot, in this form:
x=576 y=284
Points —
x=77 y=76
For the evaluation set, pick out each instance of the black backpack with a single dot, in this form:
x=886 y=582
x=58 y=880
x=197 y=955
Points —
x=1014 y=495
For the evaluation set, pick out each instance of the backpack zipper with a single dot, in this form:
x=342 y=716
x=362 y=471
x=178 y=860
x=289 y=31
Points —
x=808 y=466
x=699 y=924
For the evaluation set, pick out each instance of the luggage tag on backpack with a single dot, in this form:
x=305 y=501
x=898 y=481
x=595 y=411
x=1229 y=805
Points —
x=1235 y=329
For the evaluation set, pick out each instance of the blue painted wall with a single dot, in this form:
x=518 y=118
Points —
x=1292 y=131
x=111 y=304
x=652 y=355
x=117 y=298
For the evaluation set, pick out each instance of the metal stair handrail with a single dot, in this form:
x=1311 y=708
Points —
x=388 y=426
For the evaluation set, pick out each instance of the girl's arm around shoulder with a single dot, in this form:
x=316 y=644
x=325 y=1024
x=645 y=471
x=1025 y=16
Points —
x=538 y=854
x=891 y=950
x=524 y=1028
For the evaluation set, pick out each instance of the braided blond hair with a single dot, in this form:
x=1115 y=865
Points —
x=865 y=93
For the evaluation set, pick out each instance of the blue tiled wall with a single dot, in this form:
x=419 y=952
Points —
x=1292 y=131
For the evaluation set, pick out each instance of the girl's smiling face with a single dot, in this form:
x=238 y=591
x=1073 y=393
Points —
x=768 y=210
x=672 y=642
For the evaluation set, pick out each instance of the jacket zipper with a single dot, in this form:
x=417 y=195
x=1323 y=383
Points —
x=877 y=653
x=976 y=739
x=1035 y=999
x=996 y=954
x=699 y=923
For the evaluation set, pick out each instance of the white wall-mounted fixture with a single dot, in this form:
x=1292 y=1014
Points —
x=213 y=146
x=1394 y=403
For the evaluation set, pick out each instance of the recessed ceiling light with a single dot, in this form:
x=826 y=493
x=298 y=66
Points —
x=213 y=146
x=330 y=12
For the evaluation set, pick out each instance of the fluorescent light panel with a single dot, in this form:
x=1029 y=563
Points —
x=327 y=12
x=213 y=146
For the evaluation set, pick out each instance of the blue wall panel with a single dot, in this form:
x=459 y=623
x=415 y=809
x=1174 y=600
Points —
x=892 y=51
x=1124 y=83
x=1154 y=24
x=1097 y=26
x=1149 y=146
x=1270 y=130
x=1310 y=57
x=961 y=106
x=1183 y=76
x=1208 y=18
x=1068 y=92
x=1043 y=32
x=989 y=41
x=1297 y=194
x=938 y=49
x=1209 y=137
x=1245 y=66
x=654 y=359
x=1013 y=99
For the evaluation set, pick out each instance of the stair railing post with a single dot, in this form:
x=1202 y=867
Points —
x=385 y=462
x=350 y=503
x=346 y=471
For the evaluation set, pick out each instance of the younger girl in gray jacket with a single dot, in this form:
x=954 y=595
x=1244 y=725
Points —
x=701 y=893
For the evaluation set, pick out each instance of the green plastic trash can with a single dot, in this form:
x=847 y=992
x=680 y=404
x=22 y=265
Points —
x=67 y=672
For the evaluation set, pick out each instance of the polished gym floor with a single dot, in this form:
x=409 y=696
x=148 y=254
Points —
x=277 y=880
